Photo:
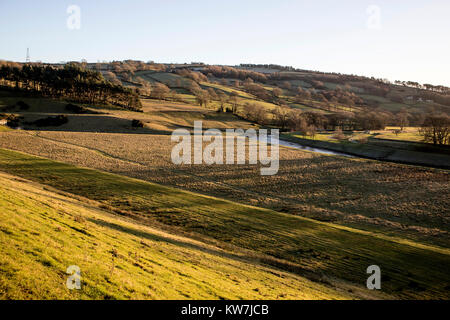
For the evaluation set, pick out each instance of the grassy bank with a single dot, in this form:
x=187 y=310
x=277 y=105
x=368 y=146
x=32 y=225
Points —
x=43 y=232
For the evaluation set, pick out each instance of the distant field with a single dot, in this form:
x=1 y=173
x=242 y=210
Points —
x=306 y=108
x=227 y=90
x=157 y=115
x=36 y=104
x=385 y=103
x=363 y=193
x=333 y=86
x=300 y=245
x=169 y=116
x=300 y=83
x=408 y=134
x=170 y=79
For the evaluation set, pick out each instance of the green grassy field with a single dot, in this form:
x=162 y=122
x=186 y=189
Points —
x=324 y=252
x=42 y=232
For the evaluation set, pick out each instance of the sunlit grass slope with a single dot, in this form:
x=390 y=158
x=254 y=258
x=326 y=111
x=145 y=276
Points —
x=43 y=232
x=309 y=248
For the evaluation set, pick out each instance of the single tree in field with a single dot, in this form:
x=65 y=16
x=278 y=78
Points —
x=281 y=116
x=402 y=119
x=233 y=100
x=307 y=94
x=260 y=115
x=287 y=85
x=255 y=113
x=436 y=129
x=311 y=131
x=160 y=91
x=248 y=110
x=248 y=81
x=277 y=92
x=194 y=88
x=203 y=98
x=222 y=99
x=297 y=122
x=212 y=93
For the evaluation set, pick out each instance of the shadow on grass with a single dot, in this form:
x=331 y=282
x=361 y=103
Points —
x=256 y=260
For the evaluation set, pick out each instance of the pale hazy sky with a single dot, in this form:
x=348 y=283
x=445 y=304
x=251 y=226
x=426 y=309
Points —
x=410 y=42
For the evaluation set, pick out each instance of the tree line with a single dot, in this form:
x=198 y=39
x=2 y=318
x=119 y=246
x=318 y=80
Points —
x=233 y=73
x=434 y=127
x=71 y=82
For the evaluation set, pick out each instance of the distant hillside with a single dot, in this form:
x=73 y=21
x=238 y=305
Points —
x=300 y=100
x=272 y=86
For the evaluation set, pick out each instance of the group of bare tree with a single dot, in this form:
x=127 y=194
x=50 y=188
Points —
x=436 y=129
x=234 y=73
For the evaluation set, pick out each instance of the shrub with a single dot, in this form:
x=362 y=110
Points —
x=137 y=123
x=52 y=121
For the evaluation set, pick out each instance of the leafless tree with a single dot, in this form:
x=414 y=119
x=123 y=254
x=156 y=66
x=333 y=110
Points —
x=202 y=97
x=436 y=129
x=281 y=116
x=277 y=92
x=233 y=100
x=160 y=91
x=402 y=119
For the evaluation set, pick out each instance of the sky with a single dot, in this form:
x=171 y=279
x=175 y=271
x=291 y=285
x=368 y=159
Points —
x=393 y=39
